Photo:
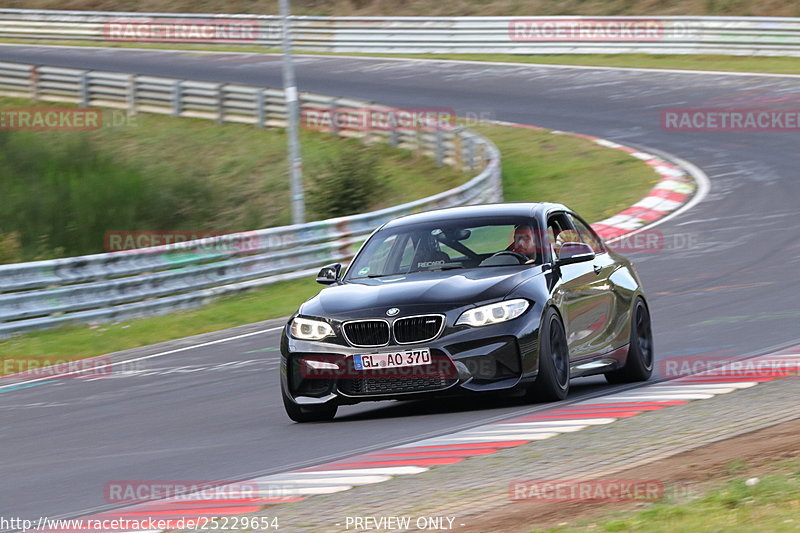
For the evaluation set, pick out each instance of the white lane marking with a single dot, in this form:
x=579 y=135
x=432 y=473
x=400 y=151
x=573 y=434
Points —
x=576 y=421
x=703 y=389
x=389 y=471
x=311 y=491
x=128 y=361
x=492 y=438
x=675 y=396
x=735 y=385
x=350 y=480
x=511 y=429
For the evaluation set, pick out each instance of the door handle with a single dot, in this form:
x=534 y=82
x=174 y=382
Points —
x=597 y=269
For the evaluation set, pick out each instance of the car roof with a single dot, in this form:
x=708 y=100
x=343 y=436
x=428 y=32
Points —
x=523 y=209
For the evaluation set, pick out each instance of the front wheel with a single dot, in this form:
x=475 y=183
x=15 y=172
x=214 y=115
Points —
x=316 y=413
x=552 y=382
x=639 y=363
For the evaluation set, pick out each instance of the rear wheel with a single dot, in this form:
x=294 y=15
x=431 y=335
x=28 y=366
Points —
x=316 y=413
x=639 y=363
x=552 y=382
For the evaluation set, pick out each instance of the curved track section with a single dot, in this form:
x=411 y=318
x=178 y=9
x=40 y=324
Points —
x=213 y=412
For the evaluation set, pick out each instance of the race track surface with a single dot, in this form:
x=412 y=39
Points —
x=730 y=287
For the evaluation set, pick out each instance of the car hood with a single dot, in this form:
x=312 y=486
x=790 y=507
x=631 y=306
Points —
x=443 y=290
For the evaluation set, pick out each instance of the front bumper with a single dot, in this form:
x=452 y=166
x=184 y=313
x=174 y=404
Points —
x=464 y=360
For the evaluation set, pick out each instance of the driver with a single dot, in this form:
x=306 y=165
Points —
x=524 y=242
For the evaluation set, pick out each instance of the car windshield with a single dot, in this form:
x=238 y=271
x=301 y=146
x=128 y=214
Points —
x=450 y=244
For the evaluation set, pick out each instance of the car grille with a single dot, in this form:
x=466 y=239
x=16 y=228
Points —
x=441 y=374
x=358 y=387
x=417 y=328
x=367 y=333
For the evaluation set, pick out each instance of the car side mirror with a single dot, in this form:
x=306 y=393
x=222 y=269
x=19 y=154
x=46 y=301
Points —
x=329 y=274
x=574 y=252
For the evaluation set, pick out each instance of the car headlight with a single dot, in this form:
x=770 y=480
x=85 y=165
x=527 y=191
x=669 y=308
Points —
x=493 y=313
x=310 y=330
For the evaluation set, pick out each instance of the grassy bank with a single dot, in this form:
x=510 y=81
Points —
x=766 y=502
x=432 y=7
x=63 y=190
x=537 y=166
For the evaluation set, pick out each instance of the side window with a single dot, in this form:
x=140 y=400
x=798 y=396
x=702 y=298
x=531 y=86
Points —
x=407 y=256
x=559 y=231
x=378 y=260
x=587 y=235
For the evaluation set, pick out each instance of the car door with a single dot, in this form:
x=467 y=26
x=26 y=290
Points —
x=601 y=325
x=580 y=293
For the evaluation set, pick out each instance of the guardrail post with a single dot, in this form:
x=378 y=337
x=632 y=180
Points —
x=261 y=114
x=471 y=152
x=458 y=155
x=131 y=96
x=84 y=88
x=394 y=134
x=220 y=103
x=176 y=98
x=333 y=105
x=34 y=83
x=439 y=146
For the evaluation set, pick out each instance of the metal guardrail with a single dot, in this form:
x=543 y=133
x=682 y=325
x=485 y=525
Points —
x=767 y=36
x=122 y=285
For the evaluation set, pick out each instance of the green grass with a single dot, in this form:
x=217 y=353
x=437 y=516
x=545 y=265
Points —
x=63 y=190
x=593 y=180
x=770 y=505
x=537 y=166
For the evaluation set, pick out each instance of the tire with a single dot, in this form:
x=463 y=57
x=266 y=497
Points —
x=639 y=362
x=317 y=413
x=552 y=382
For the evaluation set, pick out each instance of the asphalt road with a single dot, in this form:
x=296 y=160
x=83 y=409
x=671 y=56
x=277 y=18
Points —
x=728 y=285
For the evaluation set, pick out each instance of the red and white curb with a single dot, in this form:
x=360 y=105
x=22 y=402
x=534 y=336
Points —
x=673 y=191
x=422 y=455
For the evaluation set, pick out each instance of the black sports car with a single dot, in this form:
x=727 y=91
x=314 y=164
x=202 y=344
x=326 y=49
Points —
x=516 y=297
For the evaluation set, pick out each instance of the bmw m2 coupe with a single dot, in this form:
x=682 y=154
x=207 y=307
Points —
x=516 y=297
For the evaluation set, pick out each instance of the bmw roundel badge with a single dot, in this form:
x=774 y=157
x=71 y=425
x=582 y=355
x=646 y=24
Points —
x=392 y=312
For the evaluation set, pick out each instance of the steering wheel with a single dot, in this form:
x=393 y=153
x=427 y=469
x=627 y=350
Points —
x=522 y=258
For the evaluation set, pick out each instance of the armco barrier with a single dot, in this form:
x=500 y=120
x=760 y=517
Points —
x=768 y=36
x=122 y=285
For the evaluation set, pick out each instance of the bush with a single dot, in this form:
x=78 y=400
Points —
x=347 y=185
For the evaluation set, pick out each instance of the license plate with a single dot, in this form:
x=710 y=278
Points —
x=398 y=359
